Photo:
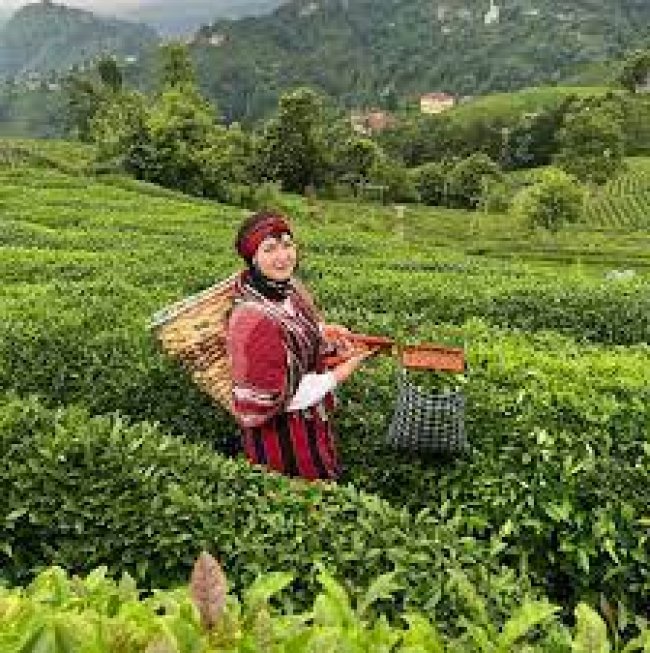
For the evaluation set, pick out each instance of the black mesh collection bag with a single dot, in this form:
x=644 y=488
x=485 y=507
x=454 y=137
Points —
x=427 y=421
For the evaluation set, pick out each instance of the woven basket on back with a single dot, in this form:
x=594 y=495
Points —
x=194 y=330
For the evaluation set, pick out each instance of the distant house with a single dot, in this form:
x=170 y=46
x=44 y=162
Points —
x=308 y=9
x=492 y=15
x=217 y=39
x=371 y=122
x=436 y=102
x=204 y=36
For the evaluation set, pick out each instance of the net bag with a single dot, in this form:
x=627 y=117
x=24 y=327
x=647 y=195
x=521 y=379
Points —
x=429 y=420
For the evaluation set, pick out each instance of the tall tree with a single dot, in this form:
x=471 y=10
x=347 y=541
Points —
x=177 y=66
x=591 y=144
x=84 y=97
x=110 y=74
x=293 y=147
x=636 y=70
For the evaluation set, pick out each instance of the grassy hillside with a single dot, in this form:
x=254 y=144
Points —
x=625 y=201
x=555 y=482
x=67 y=156
x=528 y=100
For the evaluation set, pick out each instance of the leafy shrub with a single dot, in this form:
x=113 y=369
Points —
x=83 y=492
x=175 y=142
x=75 y=615
x=431 y=182
x=470 y=178
x=399 y=186
x=355 y=158
x=550 y=203
x=497 y=198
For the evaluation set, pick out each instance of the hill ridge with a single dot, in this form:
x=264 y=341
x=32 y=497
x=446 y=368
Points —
x=370 y=52
x=46 y=36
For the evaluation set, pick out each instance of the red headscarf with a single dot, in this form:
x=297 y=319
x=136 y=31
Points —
x=257 y=228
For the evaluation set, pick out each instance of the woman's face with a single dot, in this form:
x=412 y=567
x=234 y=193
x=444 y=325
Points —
x=276 y=257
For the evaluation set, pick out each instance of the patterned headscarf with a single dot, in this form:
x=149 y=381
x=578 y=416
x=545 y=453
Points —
x=258 y=227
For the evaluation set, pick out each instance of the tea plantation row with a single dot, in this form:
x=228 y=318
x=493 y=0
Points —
x=83 y=491
x=110 y=232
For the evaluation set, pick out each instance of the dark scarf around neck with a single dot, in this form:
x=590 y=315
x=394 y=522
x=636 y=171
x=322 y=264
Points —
x=274 y=290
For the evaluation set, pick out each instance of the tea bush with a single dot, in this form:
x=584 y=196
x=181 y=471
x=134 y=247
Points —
x=81 y=492
x=57 y=614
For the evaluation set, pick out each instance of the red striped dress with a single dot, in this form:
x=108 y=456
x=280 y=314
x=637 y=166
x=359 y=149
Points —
x=270 y=351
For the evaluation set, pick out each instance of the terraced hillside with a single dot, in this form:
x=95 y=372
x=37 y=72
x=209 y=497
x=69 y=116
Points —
x=624 y=203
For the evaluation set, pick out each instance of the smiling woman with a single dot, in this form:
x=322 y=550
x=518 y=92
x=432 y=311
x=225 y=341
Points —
x=282 y=394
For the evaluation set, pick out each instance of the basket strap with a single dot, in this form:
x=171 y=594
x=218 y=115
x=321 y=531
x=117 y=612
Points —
x=169 y=312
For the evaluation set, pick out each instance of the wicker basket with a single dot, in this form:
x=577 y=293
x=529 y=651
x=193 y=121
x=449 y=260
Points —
x=194 y=331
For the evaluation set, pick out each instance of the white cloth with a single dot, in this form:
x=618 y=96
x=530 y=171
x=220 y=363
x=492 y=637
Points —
x=311 y=389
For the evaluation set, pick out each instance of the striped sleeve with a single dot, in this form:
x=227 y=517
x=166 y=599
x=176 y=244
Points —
x=258 y=359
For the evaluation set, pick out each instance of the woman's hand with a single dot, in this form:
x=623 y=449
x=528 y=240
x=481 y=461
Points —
x=342 y=371
x=339 y=335
x=334 y=330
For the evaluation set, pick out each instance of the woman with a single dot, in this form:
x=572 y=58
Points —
x=282 y=394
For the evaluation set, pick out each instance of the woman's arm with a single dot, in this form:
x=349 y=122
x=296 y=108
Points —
x=337 y=334
x=258 y=366
x=313 y=387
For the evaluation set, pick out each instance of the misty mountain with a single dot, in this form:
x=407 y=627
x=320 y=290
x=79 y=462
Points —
x=171 y=18
x=44 y=37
